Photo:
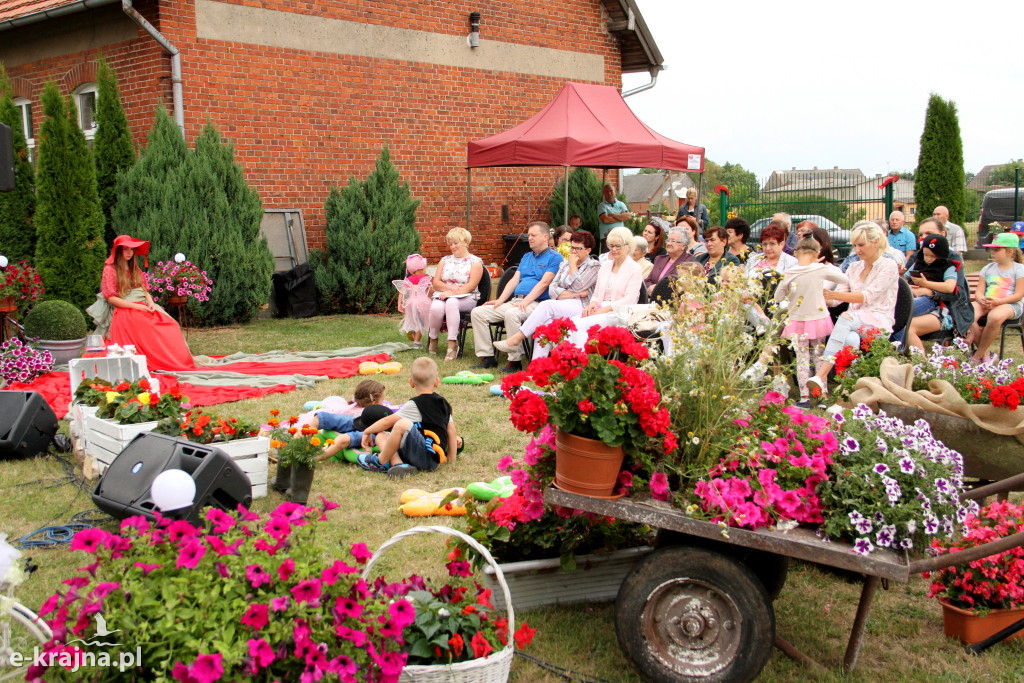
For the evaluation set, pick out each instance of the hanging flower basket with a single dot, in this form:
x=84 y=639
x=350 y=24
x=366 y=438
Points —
x=491 y=669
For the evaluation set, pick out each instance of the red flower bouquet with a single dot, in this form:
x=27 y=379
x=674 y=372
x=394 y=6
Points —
x=597 y=392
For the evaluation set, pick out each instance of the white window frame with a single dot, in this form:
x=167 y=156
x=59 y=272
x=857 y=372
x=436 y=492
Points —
x=85 y=89
x=25 y=106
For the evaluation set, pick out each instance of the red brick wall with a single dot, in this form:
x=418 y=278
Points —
x=302 y=121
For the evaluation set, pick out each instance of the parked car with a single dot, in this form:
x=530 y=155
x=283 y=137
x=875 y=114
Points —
x=997 y=207
x=837 y=233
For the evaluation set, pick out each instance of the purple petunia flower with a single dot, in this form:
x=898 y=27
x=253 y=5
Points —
x=863 y=546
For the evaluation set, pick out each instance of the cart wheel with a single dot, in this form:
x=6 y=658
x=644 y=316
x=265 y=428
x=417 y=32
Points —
x=690 y=614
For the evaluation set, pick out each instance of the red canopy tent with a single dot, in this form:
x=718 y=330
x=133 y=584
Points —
x=585 y=125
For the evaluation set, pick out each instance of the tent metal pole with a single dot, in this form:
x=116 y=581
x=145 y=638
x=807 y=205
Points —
x=565 y=209
x=700 y=194
x=469 y=190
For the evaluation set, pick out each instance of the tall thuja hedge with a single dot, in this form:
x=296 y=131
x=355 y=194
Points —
x=112 y=146
x=69 y=224
x=143 y=193
x=584 y=196
x=197 y=203
x=371 y=228
x=17 y=232
x=220 y=231
x=940 y=165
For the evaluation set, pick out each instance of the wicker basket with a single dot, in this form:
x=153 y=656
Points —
x=491 y=669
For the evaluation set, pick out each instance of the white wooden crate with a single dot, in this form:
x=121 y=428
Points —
x=252 y=456
x=105 y=439
x=77 y=414
x=111 y=368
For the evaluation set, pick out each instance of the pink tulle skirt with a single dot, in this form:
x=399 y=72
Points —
x=809 y=329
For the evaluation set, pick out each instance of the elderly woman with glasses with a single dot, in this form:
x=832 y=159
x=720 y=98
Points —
x=618 y=285
x=569 y=292
x=676 y=254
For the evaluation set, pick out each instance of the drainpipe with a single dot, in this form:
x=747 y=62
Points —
x=641 y=88
x=176 y=94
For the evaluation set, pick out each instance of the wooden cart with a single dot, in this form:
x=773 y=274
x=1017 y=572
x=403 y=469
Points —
x=699 y=608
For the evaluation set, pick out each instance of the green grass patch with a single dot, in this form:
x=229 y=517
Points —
x=815 y=610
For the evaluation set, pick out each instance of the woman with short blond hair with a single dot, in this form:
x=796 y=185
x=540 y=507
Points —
x=456 y=290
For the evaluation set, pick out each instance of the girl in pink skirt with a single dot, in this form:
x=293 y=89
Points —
x=809 y=322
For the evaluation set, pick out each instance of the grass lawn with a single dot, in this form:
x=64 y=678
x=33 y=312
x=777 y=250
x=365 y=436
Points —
x=815 y=610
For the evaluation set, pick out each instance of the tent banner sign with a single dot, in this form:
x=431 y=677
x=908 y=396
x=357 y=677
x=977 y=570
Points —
x=693 y=162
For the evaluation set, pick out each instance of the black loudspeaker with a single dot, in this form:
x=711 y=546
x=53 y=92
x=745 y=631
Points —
x=27 y=424
x=6 y=158
x=123 y=490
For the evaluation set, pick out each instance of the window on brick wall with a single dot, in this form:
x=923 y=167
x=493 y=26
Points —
x=25 y=109
x=85 y=101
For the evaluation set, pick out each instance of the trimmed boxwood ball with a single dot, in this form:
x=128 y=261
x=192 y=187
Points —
x=55 y=320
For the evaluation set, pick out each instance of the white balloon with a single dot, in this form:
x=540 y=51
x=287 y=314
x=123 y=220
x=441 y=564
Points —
x=179 y=257
x=173 y=490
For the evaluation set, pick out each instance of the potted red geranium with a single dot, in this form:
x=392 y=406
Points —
x=600 y=402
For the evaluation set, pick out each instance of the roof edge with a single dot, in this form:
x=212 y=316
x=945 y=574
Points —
x=656 y=62
x=63 y=10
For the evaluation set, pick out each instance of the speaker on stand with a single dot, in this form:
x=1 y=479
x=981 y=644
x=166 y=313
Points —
x=27 y=424
x=124 y=489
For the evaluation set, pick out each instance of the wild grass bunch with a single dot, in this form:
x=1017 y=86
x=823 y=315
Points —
x=700 y=374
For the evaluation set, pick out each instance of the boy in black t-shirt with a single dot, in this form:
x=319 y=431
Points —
x=421 y=431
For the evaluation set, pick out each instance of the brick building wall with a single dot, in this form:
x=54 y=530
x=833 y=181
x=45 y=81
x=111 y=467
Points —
x=303 y=120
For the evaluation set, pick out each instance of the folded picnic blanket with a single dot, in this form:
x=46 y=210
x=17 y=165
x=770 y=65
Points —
x=894 y=385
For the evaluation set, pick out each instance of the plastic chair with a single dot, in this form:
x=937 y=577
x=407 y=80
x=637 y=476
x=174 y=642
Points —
x=498 y=328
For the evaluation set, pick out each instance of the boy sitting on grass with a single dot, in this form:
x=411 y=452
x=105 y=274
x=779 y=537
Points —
x=416 y=430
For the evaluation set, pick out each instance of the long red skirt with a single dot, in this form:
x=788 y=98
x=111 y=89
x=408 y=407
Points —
x=155 y=335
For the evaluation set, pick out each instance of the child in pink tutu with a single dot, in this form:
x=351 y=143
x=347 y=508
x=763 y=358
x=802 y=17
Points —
x=414 y=298
x=809 y=322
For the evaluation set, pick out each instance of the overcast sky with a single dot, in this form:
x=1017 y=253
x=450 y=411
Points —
x=773 y=85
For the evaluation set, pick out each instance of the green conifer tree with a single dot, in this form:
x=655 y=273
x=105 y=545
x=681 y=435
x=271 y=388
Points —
x=584 y=196
x=69 y=223
x=940 y=164
x=112 y=146
x=143 y=192
x=371 y=228
x=197 y=203
x=17 y=232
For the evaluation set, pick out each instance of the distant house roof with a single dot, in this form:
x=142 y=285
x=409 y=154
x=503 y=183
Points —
x=814 y=179
x=641 y=186
x=980 y=182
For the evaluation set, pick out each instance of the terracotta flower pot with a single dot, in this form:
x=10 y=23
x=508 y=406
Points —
x=8 y=304
x=176 y=300
x=586 y=466
x=970 y=628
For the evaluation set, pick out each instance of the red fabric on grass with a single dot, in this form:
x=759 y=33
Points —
x=55 y=387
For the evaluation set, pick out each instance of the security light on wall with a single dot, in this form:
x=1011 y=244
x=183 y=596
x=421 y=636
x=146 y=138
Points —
x=474 y=30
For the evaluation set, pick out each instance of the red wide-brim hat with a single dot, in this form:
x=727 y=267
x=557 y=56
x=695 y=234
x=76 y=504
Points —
x=141 y=248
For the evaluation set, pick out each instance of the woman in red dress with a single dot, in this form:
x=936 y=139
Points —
x=135 y=319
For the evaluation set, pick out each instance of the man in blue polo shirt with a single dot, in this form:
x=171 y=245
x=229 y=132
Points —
x=527 y=288
x=899 y=236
